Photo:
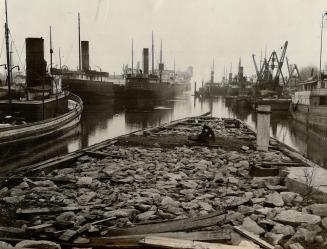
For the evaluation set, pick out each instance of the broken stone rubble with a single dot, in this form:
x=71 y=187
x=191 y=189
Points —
x=155 y=184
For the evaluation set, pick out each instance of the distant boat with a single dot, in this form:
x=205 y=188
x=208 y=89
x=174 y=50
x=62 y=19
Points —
x=88 y=83
x=159 y=83
x=309 y=104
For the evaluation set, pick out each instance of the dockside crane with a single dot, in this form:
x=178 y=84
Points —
x=256 y=68
x=281 y=62
x=271 y=70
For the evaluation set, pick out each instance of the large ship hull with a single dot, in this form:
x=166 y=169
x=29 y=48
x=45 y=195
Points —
x=156 y=90
x=313 y=116
x=89 y=87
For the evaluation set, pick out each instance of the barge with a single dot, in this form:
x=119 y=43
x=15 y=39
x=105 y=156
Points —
x=163 y=185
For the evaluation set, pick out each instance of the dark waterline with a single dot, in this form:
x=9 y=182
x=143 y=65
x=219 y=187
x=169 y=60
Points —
x=109 y=119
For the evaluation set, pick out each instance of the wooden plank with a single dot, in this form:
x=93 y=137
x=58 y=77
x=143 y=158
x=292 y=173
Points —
x=96 y=154
x=283 y=164
x=205 y=236
x=172 y=225
x=46 y=210
x=101 y=155
x=13 y=230
x=162 y=242
x=38 y=228
x=253 y=237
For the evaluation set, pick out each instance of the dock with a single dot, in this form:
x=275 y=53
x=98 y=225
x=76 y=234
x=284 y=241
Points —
x=160 y=187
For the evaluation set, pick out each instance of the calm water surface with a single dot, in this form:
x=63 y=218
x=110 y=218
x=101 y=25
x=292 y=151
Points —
x=108 y=119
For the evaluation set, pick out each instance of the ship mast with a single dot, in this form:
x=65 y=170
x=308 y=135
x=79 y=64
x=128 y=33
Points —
x=132 y=56
x=59 y=59
x=152 y=54
x=8 y=58
x=160 y=64
x=51 y=51
x=79 y=42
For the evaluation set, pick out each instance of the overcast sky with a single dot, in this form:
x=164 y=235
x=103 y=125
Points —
x=194 y=32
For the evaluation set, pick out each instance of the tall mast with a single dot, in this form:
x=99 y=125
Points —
x=8 y=57
x=161 y=52
x=260 y=59
x=174 y=68
x=152 y=54
x=160 y=65
x=79 y=42
x=51 y=51
x=59 y=59
x=132 y=56
x=11 y=60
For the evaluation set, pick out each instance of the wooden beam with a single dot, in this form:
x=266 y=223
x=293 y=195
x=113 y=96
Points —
x=172 y=225
x=205 y=236
x=162 y=242
x=253 y=237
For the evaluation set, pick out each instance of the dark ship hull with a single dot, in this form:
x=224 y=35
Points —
x=155 y=90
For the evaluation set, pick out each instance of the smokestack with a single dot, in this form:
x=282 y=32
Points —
x=85 y=56
x=145 y=60
x=35 y=63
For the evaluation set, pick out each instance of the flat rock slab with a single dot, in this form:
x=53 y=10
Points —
x=274 y=199
x=296 y=218
x=252 y=226
x=319 y=209
x=297 y=179
x=44 y=244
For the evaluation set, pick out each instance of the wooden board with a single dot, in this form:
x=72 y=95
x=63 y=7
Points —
x=162 y=242
x=172 y=225
x=205 y=236
x=253 y=237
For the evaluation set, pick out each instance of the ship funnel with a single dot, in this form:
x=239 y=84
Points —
x=85 y=56
x=145 y=60
x=35 y=63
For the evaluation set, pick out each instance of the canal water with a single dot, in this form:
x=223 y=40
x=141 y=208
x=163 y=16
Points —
x=108 y=119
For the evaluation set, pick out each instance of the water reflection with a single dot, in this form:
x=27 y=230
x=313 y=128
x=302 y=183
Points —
x=108 y=118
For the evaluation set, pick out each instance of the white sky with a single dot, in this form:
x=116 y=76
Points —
x=193 y=31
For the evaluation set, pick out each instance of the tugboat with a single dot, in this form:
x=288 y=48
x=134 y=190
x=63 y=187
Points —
x=42 y=108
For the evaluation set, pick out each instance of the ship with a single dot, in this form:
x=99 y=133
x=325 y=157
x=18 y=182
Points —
x=230 y=86
x=309 y=103
x=211 y=88
x=159 y=83
x=90 y=84
x=42 y=109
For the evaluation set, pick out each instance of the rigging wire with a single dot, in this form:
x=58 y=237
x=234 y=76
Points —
x=19 y=55
x=2 y=45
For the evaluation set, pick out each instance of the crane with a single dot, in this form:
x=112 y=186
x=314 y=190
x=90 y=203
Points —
x=256 y=67
x=281 y=61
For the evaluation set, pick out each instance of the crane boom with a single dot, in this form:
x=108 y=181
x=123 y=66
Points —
x=256 y=67
x=281 y=60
